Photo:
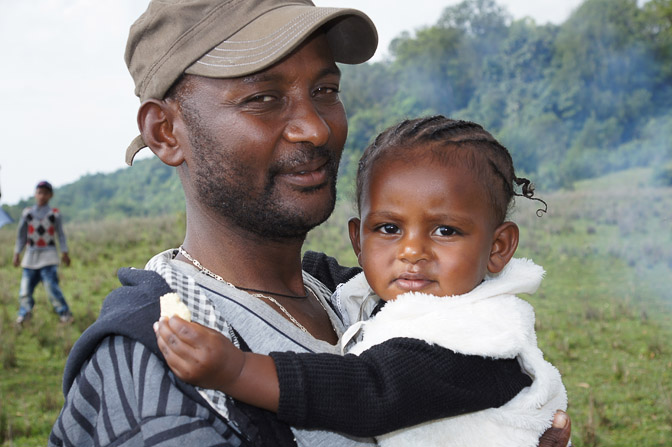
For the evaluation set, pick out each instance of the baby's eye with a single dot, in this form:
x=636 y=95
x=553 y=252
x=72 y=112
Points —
x=445 y=231
x=388 y=229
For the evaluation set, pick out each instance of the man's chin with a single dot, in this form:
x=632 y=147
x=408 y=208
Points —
x=299 y=223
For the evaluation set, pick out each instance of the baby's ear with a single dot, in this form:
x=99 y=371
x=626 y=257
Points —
x=353 y=231
x=504 y=245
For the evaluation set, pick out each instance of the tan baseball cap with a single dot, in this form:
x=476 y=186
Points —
x=233 y=38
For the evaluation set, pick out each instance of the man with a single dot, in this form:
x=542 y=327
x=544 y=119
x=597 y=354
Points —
x=242 y=97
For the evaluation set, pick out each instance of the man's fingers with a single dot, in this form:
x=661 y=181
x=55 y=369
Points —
x=559 y=433
x=561 y=420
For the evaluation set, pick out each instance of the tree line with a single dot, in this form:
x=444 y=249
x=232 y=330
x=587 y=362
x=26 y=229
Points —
x=572 y=101
x=587 y=97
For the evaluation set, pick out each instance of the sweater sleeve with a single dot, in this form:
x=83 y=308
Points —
x=62 y=240
x=124 y=396
x=394 y=385
x=21 y=234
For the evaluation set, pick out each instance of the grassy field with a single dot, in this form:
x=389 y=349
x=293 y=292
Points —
x=604 y=311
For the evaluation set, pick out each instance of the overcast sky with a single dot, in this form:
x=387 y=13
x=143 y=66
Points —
x=67 y=106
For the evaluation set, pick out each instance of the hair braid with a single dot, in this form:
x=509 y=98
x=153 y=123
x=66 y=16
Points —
x=403 y=140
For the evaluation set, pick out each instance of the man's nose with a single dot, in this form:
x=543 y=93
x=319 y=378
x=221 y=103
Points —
x=306 y=124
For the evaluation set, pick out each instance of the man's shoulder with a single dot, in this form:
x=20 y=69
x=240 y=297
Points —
x=327 y=269
x=129 y=310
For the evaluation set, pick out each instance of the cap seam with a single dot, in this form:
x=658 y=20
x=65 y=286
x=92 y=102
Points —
x=292 y=24
x=275 y=45
x=196 y=28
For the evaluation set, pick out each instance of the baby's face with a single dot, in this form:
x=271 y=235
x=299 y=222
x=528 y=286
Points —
x=424 y=227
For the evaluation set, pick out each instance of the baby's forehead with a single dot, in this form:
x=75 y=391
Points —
x=471 y=168
x=451 y=156
x=418 y=175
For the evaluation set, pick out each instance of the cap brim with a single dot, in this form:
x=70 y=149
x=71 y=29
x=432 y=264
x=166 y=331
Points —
x=133 y=149
x=351 y=35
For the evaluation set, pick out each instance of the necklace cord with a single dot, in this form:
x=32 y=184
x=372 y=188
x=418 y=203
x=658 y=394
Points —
x=200 y=266
x=258 y=293
x=294 y=297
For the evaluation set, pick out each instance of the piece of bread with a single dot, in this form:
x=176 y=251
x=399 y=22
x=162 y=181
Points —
x=171 y=305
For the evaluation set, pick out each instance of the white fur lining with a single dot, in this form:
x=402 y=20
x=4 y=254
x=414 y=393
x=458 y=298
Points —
x=489 y=321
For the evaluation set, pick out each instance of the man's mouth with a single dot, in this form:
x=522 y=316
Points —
x=307 y=175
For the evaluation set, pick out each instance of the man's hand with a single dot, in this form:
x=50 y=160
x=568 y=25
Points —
x=558 y=435
x=16 y=260
x=65 y=259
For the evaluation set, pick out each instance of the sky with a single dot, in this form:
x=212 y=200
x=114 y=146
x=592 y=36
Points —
x=67 y=106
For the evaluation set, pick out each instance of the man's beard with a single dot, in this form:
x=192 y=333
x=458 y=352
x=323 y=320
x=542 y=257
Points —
x=223 y=187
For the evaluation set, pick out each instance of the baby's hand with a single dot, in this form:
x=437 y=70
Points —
x=198 y=355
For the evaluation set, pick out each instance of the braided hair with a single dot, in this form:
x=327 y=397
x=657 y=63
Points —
x=452 y=141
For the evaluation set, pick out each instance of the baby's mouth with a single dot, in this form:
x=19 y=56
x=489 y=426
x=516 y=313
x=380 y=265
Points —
x=412 y=281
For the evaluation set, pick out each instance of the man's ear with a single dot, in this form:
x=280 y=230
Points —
x=504 y=245
x=156 y=120
x=353 y=231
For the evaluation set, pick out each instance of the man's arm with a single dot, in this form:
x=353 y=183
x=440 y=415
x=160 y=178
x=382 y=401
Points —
x=124 y=396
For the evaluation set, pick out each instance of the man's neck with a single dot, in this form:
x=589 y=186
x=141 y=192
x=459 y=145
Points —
x=249 y=261
x=246 y=259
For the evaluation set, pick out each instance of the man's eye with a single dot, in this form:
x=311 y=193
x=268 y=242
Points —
x=261 y=98
x=327 y=91
x=388 y=229
x=445 y=231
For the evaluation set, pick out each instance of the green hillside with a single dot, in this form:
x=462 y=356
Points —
x=571 y=102
x=604 y=311
x=149 y=188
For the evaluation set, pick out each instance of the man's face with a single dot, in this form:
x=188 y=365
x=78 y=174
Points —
x=265 y=148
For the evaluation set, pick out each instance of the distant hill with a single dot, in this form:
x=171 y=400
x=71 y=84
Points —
x=149 y=188
x=571 y=102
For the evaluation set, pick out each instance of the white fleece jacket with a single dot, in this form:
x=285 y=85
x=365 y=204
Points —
x=489 y=321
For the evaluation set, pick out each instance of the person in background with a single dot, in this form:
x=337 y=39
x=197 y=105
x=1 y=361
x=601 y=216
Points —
x=4 y=217
x=242 y=97
x=436 y=249
x=39 y=228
